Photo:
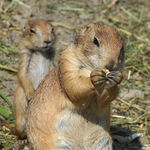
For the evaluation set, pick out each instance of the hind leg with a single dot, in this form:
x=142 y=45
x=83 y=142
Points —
x=105 y=144
x=102 y=141
x=20 y=107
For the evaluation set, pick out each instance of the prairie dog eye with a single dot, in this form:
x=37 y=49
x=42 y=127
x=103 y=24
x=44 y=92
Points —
x=52 y=29
x=96 y=42
x=32 y=31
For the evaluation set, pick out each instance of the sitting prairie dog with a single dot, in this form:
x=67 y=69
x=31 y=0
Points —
x=36 y=60
x=71 y=107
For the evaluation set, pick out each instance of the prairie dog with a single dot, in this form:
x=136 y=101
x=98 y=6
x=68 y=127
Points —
x=70 y=110
x=36 y=60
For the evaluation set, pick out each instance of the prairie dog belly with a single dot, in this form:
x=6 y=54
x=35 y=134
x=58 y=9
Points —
x=40 y=68
x=76 y=133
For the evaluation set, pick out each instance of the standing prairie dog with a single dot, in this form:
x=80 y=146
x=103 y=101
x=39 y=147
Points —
x=70 y=110
x=36 y=60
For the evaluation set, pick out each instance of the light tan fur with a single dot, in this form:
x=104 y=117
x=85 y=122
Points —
x=36 y=60
x=71 y=108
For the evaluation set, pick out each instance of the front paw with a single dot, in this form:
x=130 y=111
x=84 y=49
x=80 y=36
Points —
x=29 y=94
x=114 y=78
x=98 y=78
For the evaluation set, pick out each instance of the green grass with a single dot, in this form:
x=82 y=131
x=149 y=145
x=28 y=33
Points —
x=3 y=63
x=133 y=23
x=4 y=113
x=8 y=50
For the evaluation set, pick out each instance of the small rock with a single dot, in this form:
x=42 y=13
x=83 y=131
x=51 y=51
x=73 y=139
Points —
x=131 y=93
x=144 y=140
x=26 y=148
x=136 y=76
x=6 y=23
x=17 y=17
x=84 y=16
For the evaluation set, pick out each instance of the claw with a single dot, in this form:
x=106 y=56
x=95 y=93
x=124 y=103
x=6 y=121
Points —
x=112 y=80
x=111 y=74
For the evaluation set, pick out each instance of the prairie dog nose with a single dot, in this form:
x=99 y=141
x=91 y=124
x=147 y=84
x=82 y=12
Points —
x=47 y=42
x=110 y=66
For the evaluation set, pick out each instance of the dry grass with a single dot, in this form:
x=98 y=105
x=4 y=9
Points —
x=133 y=22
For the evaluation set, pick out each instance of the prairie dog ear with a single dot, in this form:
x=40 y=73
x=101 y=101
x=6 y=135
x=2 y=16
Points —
x=86 y=29
x=53 y=33
x=25 y=26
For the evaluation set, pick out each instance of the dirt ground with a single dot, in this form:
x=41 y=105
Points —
x=68 y=17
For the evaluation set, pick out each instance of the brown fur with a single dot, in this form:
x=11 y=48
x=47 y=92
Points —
x=71 y=108
x=36 y=60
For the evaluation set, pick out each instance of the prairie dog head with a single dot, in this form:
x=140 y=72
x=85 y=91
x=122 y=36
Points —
x=38 y=35
x=102 y=45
